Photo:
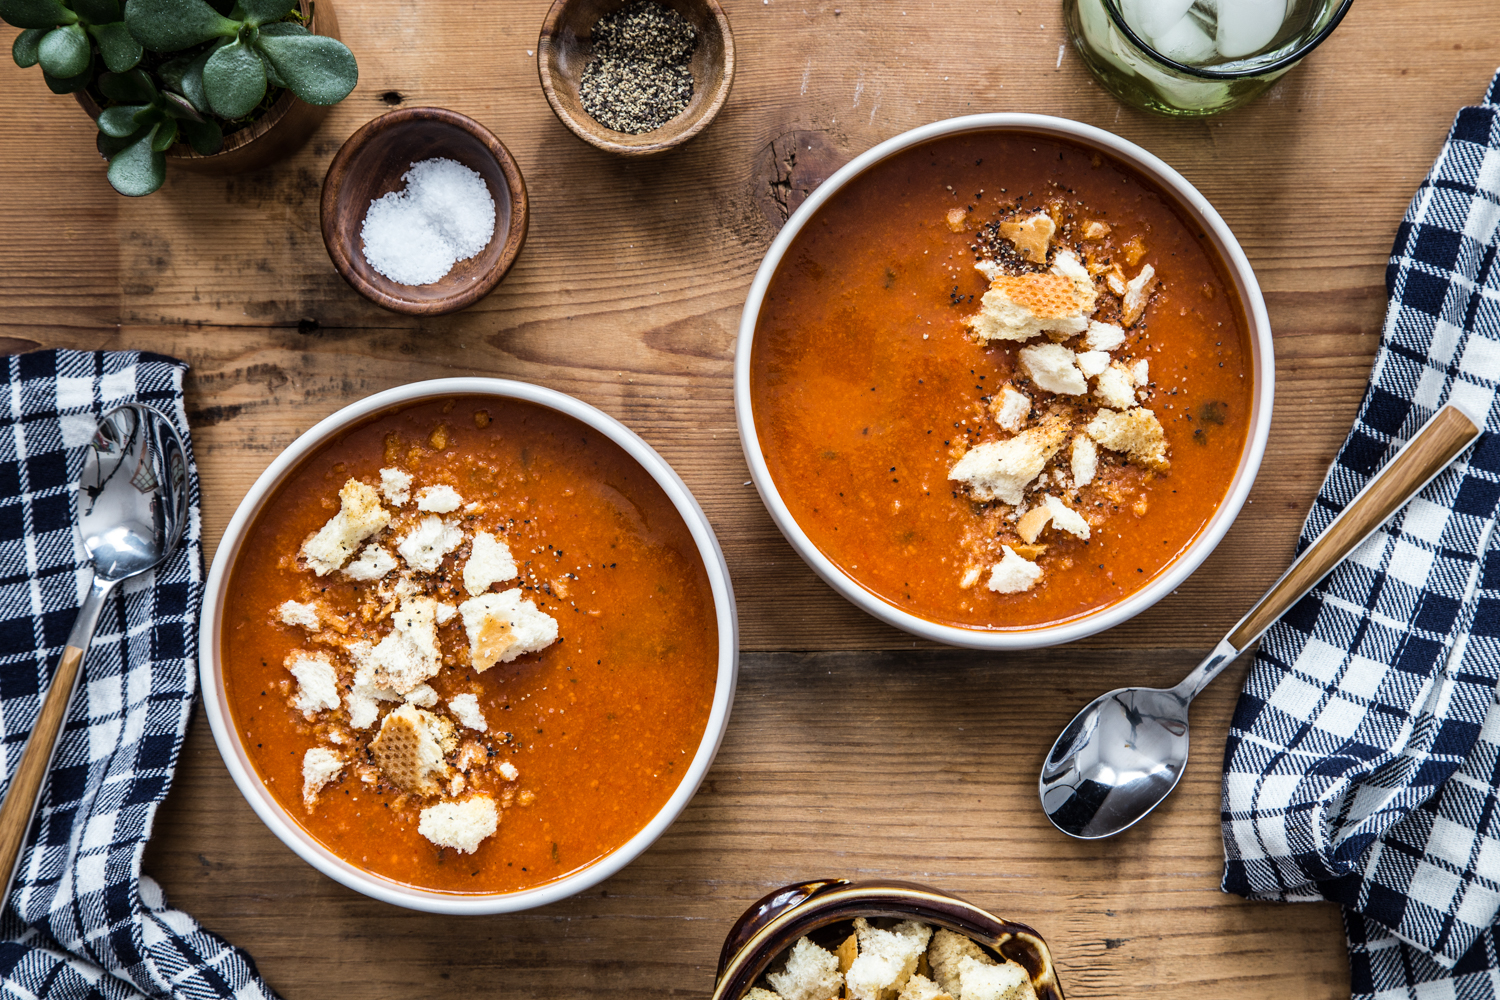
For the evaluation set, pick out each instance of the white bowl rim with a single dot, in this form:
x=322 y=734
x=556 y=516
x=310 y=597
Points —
x=298 y=839
x=1263 y=363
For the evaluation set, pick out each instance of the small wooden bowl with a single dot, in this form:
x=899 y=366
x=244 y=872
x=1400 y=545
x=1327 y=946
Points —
x=370 y=164
x=564 y=49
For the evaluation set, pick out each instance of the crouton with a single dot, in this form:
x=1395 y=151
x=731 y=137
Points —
x=410 y=747
x=944 y=954
x=1095 y=230
x=439 y=499
x=445 y=612
x=1031 y=236
x=1065 y=518
x=409 y=653
x=919 y=987
x=504 y=626
x=1137 y=293
x=1030 y=524
x=811 y=973
x=372 y=563
x=970 y=577
x=886 y=959
x=1114 y=280
x=360 y=516
x=1085 y=460
x=1011 y=408
x=360 y=702
x=460 y=825
x=465 y=708
x=1018 y=307
x=396 y=485
x=317 y=683
x=1091 y=363
x=1136 y=433
x=956 y=218
x=1116 y=387
x=1013 y=574
x=982 y=981
x=305 y=615
x=490 y=562
x=1140 y=372
x=1103 y=336
x=847 y=953
x=1052 y=367
x=1001 y=470
x=423 y=696
x=1133 y=250
x=319 y=767
x=508 y=771
x=760 y=994
x=424 y=547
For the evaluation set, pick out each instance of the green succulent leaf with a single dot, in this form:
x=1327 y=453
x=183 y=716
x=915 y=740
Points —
x=24 y=49
x=234 y=80
x=97 y=11
x=281 y=28
x=258 y=12
x=138 y=169
x=119 y=121
x=206 y=138
x=184 y=74
x=173 y=25
x=134 y=87
x=35 y=13
x=319 y=70
x=64 y=52
x=117 y=45
x=166 y=135
x=70 y=85
x=177 y=106
x=108 y=145
x=272 y=77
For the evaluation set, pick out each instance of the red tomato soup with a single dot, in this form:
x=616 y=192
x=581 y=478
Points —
x=506 y=663
x=1013 y=447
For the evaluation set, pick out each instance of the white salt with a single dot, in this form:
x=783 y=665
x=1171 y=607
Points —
x=444 y=215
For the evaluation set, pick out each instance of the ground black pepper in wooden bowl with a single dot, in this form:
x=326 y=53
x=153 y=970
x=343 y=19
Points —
x=638 y=77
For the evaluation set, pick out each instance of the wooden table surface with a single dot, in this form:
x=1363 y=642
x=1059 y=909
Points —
x=853 y=750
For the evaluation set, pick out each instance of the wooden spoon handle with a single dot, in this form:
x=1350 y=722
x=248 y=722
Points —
x=26 y=786
x=1414 y=466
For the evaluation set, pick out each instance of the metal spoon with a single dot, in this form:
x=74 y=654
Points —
x=1126 y=751
x=132 y=505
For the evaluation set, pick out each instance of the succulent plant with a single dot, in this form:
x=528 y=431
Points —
x=175 y=69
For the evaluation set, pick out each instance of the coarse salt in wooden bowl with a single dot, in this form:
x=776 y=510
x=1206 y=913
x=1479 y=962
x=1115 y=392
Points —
x=371 y=164
x=564 y=49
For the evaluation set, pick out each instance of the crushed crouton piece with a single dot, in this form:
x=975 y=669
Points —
x=508 y=771
x=490 y=562
x=409 y=653
x=1031 y=236
x=445 y=612
x=970 y=577
x=1052 y=367
x=956 y=217
x=1011 y=409
x=1001 y=470
x=886 y=959
x=439 y=499
x=422 y=695
x=1085 y=460
x=319 y=767
x=1136 y=433
x=504 y=626
x=1013 y=574
x=1114 y=280
x=763 y=994
x=1133 y=250
x=410 y=747
x=1091 y=363
x=396 y=485
x=1030 y=524
x=424 y=547
x=1115 y=387
x=1140 y=372
x=811 y=973
x=944 y=955
x=306 y=615
x=919 y=987
x=988 y=981
x=460 y=825
x=1095 y=230
x=360 y=516
x=317 y=684
x=1065 y=518
x=372 y=563
x=847 y=953
x=1103 y=336
x=1018 y=307
x=1137 y=293
x=465 y=709
x=361 y=700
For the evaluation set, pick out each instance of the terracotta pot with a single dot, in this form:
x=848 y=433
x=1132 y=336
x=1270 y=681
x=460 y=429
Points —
x=278 y=133
x=774 y=923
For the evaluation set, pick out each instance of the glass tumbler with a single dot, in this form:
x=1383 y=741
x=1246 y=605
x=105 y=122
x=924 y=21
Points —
x=1198 y=64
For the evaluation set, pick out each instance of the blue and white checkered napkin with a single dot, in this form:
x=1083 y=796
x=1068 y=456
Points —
x=81 y=920
x=1363 y=762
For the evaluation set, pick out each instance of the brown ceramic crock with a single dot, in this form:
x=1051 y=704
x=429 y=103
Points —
x=774 y=923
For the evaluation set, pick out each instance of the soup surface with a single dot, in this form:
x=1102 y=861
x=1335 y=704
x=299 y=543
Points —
x=871 y=380
x=565 y=745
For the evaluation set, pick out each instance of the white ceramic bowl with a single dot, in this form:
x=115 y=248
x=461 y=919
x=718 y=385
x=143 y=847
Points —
x=1262 y=361
x=291 y=833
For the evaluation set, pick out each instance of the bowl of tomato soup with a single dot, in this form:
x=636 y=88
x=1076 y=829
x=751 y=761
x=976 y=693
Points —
x=1004 y=381
x=468 y=646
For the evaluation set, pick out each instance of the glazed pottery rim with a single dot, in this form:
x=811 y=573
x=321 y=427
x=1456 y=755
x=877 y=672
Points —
x=285 y=827
x=1236 y=494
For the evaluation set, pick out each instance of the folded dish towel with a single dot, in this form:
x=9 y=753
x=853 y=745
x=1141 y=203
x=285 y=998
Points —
x=81 y=920
x=1363 y=762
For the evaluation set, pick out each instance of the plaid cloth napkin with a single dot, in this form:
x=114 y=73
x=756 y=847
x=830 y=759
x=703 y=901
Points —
x=81 y=920
x=1363 y=762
